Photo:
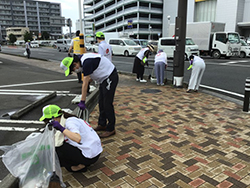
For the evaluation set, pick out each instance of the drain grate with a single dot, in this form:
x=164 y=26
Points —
x=150 y=91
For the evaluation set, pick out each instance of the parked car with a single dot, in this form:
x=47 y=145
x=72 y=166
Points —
x=167 y=44
x=34 y=44
x=124 y=46
x=63 y=44
x=244 y=49
x=142 y=42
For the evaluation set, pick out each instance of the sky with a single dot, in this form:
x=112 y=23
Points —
x=69 y=9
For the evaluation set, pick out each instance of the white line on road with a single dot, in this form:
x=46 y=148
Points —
x=21 y=121
x=23 y=129
x=32 y=91
x=222 y=90
x=37 y=83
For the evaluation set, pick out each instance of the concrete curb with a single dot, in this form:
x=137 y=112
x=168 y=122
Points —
x=12 y=182
x=31 y=106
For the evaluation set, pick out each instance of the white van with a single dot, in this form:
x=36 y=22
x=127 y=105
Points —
x=167 y=44
x=63 y=44
x=123 y=46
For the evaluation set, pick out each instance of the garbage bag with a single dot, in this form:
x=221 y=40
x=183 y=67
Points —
x=31 y=160
x=25 y=53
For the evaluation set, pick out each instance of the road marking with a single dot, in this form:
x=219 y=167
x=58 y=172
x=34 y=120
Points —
x=228 y=64
x=21 y=121
x=32 y=91
x=1 y=62
x=222 y=90
x=232 y=62
x=22 y=129
x=37 y=83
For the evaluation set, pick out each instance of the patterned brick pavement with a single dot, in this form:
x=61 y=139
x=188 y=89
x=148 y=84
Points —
x=169 y=138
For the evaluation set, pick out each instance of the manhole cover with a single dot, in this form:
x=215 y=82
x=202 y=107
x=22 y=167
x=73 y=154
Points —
x=150 y=91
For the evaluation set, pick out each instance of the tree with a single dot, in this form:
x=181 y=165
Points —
x=45 y=35
x=27 y=36
x=12 y=38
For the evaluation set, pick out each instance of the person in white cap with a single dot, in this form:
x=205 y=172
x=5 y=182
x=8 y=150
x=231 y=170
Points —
x=198 y=66
x=77 y=144
x=160 y=66
x=141 y=59
x=102 y=70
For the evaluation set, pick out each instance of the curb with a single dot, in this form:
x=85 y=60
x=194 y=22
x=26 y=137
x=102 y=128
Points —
x=13 y=182
x=31 y=106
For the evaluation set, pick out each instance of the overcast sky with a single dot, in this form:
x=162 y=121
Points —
x=69 y=9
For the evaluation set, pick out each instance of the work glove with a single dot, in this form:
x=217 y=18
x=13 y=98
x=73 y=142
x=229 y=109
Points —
x=190 y=67
x=57 y=125
x=82 y=105
x=69 y=55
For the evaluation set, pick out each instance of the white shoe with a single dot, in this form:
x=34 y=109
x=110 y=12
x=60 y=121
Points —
x=158 y=84
x=162 y=84
x=137 y=79
x=143 y=81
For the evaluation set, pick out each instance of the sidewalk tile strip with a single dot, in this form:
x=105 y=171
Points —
x=170 y=139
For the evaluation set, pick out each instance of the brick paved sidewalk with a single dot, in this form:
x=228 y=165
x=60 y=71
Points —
x=169 y=138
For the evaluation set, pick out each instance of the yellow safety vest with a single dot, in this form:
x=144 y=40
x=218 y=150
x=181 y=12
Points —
x=76 y=46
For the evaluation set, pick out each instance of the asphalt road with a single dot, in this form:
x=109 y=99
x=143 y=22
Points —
x=22 y=84
x=221 y=74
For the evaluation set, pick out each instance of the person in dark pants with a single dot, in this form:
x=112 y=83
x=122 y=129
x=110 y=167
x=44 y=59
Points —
x=27 y=47
x=102 y=70
x=77 y=144
x=141 y=59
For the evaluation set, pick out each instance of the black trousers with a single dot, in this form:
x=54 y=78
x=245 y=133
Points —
x=72 y=156
x=138 y=68
x=106 y=97
x=28 y=52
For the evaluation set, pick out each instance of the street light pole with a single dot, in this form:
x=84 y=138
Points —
x=80 y=15
x=180 y=37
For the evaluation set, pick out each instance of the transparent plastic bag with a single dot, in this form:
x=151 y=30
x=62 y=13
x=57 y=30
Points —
x=31 y=160
x=25 y=53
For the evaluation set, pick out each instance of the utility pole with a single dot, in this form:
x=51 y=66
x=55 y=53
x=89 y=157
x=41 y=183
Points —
x=180 y=38
x=80 y=15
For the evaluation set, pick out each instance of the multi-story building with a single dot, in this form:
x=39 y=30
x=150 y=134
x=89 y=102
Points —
x=234 y=13
x=150 y=19
x=17 y=31
x=140 y=19
x=38 y=16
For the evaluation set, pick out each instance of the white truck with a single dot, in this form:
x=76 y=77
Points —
x=212 y=39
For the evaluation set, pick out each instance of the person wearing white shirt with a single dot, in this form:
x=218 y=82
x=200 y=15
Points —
x=77 y=144
x=198 y=66
x=160 y=66
x=104 y=48
x=101 y=70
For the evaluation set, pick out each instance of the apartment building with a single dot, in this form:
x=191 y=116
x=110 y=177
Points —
x=140 y=19
x=38 y=16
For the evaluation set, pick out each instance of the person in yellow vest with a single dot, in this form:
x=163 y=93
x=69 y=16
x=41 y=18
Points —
x=75 y=45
